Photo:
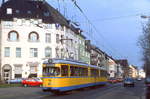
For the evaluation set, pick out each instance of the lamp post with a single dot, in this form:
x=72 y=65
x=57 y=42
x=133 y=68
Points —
x=144 y=16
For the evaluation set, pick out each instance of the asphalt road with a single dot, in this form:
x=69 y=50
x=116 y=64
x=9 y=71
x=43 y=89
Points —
x=111 y=91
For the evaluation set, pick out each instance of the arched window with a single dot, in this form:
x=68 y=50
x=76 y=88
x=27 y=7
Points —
x=13 y=36
x=48 y=52
x=33 y=37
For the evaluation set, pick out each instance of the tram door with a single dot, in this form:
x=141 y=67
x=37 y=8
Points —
x=6 y=75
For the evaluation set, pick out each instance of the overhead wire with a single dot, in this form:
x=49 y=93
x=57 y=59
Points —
x=75 y=3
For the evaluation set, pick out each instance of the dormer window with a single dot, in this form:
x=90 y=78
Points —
x=9 y=11
x=47 y=14
x=17 y=11
x=29 y=12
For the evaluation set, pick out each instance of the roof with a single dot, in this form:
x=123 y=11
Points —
x=34 y=9
x=123 y=62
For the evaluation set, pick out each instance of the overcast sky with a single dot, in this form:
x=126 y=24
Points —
x=118 y=24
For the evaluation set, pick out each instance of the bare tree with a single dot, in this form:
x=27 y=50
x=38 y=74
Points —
x=144 y=42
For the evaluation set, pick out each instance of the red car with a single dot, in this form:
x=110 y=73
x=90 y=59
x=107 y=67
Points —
x=112 y=80
x=119 y=79
x=32 y=82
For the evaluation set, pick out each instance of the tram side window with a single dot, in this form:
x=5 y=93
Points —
x=84 y=72
x=103 y=73
x=94 y=72
x=78 y=71
x=74 y=71
x=51 y=71
x=64 y=70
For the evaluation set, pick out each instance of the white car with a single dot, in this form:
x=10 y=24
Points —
x=139 y=79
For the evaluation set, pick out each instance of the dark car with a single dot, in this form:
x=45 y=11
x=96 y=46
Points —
x=129 y=82
x=147 y=81
x=119 y=79
x=15 y=81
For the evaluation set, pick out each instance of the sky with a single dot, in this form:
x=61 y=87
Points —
x=118 y=24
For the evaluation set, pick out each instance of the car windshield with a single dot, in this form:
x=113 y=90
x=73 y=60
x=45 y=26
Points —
x=148 y=79
x=51 y=71
x=128 y=79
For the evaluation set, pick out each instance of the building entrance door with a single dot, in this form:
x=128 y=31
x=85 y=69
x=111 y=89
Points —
x=6 y=71
x=6 y=75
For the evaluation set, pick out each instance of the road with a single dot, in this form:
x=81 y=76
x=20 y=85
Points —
x=111 y=91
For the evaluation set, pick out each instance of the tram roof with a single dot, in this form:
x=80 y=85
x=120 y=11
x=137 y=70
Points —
x=55 y=61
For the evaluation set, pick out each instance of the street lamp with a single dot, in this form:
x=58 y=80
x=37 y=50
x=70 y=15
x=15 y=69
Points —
x=144 y=16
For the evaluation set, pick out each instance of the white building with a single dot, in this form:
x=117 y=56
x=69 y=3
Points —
x=112 y=68
x=141 y=73
x=31 y=30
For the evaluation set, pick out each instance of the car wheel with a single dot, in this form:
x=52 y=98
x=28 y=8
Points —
x=40 y=85
x=25 y=85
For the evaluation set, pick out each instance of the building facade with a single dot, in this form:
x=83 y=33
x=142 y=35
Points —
x=141 y=73
x=120 y=71
x=98 y=57
x=125 y=67
x=133 y=71
x=30 y=31
x=112 y=67
x=84 y=52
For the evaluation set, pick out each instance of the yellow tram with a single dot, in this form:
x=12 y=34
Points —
x=65 y=75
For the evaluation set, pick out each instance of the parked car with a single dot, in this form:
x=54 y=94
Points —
x=14 y=81
x=147 y=82
x=112 y=80
x=119 y=79
x=139 y=79
x=129 y=82
x=32 y=82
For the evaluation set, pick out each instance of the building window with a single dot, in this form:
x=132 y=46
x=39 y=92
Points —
x=13 y=36
x=7 y=52
x=18 y=52
x=33 y=52
x=48 y=38
x=9 y=11
x=46 y=14
x=33 y=69
x=57 y=38
x=62 y=39
x=29 y=12
x=62 y=53
x=48 y=52
x=18 y=71
x=33 y=37
x=17 y=11
x=57 y=52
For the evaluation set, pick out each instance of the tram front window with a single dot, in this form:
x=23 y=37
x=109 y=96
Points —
x=51 y=71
